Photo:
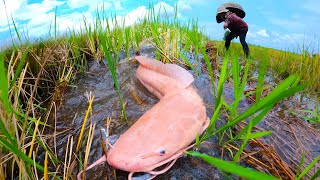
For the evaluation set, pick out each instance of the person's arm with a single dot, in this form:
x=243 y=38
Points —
x=226 y=22
x=225 y=25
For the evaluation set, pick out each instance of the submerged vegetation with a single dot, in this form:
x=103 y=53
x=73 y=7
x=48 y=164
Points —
x=34 y=77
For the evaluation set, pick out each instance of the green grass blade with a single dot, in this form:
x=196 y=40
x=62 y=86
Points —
x=127 y=41
x=14 y=149
x=305 y=171
x=243 y=145
x=280 y=92
x=316 y=175
x=20 y=66
x=281 y=88
x=16 y=30
x=236 y=76
x=257 y=135
x=55 y=23
x=258 y=107
x=244 y=79
x=4 y=89
x=5 y=132
x=238 y=86
x=31 y=131
x=29 y=118
x=222 y=80
x=186 y=60
x=112 y=68
x=211 y=127
x=300 y=165
x=4 y=97
x=232 y=168
x=208 y=64
x=261 y=77
x=255 y=121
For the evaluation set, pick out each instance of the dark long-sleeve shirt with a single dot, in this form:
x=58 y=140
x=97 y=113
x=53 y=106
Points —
x=234 y=23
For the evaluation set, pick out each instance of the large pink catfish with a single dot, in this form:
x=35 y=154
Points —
x=164 y=132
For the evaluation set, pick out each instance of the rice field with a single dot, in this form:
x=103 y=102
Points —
x=34 y=77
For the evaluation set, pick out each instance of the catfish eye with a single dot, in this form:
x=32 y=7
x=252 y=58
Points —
x=162 y=152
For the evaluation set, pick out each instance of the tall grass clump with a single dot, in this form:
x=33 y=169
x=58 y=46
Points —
x=19 y=140
x=283 y=63
x=232 y=71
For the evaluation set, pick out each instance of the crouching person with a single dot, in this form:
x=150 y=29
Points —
x=237 y=27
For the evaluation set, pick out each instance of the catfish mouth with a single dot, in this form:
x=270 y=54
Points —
x=138 y=165
x=145 y=162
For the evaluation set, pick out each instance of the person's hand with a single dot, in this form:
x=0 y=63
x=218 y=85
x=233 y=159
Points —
x=225 y=26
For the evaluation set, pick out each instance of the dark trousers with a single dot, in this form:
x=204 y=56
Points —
x=242 y=35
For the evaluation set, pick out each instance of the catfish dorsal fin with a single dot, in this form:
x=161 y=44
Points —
x=171 y=70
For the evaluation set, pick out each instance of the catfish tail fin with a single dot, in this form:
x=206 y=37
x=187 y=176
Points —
x=174 y=71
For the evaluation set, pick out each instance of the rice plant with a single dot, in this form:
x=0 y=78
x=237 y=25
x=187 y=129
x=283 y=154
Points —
x=112 y=67
x=15 y=124
x=232 y=168
x=312 y=116
x=283 y=63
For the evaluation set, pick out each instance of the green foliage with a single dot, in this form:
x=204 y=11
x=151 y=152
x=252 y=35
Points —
x=282 y=91
x=300 y=165
x=232 y=168
x=4 y=89
x=112 y=67
x=283 y=63
x=314 y=116
x=255 y=113
x=7 y=140
x=316 y=175
x=307 y=169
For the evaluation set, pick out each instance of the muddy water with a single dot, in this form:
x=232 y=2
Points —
x=292 y=135
x=99 y=82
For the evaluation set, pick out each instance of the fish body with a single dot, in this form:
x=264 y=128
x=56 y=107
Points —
x=165 y=131
x=169 y=126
